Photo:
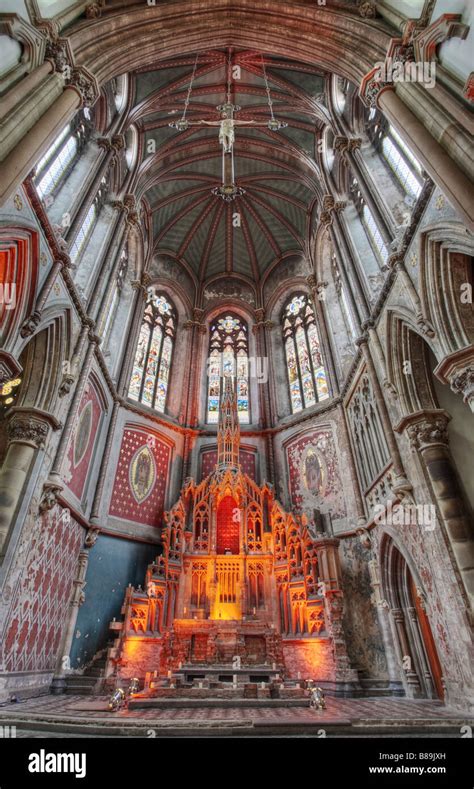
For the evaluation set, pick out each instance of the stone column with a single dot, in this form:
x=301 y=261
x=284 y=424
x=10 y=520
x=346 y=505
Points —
x=63 y=667
x=411 y=675
x=428 y=435
x=27 y=430
x=54 y=482
x=436 y=161
x=359 y=502
x=318 y=288
x=111 y=148
x=94 y=516
x=30 y=324
x=260 y=328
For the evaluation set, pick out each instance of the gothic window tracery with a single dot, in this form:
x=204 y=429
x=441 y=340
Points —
x=369 y=441
x=152 y=364
x=228 y=355
x=55 y=165
x=306 y=372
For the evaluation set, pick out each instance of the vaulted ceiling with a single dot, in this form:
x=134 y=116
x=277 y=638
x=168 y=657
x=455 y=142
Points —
x=276 y=170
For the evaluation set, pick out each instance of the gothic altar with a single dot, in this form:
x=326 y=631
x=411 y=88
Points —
x=240 y=583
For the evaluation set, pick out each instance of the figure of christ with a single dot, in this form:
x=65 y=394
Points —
x=227 y=130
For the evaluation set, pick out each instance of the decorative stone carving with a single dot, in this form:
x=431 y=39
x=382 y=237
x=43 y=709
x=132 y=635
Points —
x=345 y=145
x=85 y=84
x=196 y=321
x=446 y=26
x=26 y=430
x=50 y=495
x=457 y=370
x=426 y=428
x=91 y=537
x=59 y=52
x=367 y=9
x=30 y=324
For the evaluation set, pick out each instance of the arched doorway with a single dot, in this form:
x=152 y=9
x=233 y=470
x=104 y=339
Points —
x=412 y=629
x=228 y=526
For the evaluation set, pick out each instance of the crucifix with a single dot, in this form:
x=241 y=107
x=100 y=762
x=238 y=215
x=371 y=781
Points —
x=227 y=124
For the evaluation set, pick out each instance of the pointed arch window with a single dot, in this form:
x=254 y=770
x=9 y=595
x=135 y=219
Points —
x=306 y=374
x=151 y=368
x=228 y=355
x=56 y=164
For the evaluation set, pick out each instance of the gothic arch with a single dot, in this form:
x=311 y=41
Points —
x=19 y=270
x=407 y=364
x=404 y=592
x=445 y=253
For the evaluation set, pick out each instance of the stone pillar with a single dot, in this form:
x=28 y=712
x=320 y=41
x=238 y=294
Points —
x=318 y=288
x=434 y=158
x=30 y=324
x=111 y=148
x=411 y=675
x=27 y=431
x=428 y=435
x=58 y=684
x=33 y=145
x=94 y=516
x=260 y=328
x=383 y=618
x=359 y=502
x=54 y=480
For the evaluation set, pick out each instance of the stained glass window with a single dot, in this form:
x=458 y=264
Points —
x=228 y=355
x=306 y=373
x=151 y=368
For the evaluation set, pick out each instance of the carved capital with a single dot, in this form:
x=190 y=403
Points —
x=59 y=53
x=457 y=370
x=426 y=428
x=85 y=84
x=30 y=426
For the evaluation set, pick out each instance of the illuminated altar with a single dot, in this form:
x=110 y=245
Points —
x=240 y=582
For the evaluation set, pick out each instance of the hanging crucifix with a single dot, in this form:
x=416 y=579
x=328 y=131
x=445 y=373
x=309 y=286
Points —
x=227 y=124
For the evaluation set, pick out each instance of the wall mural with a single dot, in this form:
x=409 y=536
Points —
x=140 y=481
x=314 y=477
x=364 y=641
x=79 y=454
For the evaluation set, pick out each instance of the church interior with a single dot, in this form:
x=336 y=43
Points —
x=236 y=365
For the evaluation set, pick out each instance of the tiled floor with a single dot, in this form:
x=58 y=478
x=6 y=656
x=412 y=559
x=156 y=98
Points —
x=86 y=708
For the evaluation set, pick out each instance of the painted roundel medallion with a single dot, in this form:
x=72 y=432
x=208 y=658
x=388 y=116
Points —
x=142 y=474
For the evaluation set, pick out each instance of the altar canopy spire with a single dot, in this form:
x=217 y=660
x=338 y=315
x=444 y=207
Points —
x=228 y=434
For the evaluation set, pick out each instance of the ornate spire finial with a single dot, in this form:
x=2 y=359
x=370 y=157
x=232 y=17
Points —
x=228 y=434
